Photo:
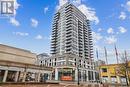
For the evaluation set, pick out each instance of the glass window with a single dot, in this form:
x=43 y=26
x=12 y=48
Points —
x=104 y=69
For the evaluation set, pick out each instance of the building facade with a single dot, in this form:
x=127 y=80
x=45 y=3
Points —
x=99 y=63
x=13 y=54
x=41 y=57
x=18 y=65
x=112 y=74
x=71 y=33
x=71 y=46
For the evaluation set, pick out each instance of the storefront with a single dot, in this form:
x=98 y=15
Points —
x=73 y=74
x=2 y=75
x=123 y=79
x=113 y=79
x=66 y=74
x=11 y=76
x=105 y=79
x=63 y=74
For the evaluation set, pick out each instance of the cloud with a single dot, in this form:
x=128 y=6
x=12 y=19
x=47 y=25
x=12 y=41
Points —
x=48 y=37
x=122 y=16
x=46 y=9
x=128 y=5
x=96 y=37
x=117 y=33
x=76 y=2
x=100 y=29
x=110 y=31
x=21 y=33
x=34 y=22
x=62 y=2
x=39 y=37
x=88 y=11
x=111 y=40
x=122 y=29
x=14 y=22
x=16 y=6
x=97 y=47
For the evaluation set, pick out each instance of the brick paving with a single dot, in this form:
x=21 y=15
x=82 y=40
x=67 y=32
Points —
x=54 y=85
x=43 y=85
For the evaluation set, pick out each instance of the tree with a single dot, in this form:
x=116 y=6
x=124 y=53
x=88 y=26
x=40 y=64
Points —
x=123 y=68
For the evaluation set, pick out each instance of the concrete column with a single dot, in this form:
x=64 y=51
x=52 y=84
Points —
x=109 y=79
x=109 y=75
x=5 y=75
x=81 y=75
x=56 y=74
x=50 y=76
x=38 y=78
x=87 y=75
x=94 y=79
x=91 y=73
x=16 y=76
x=76 y=75
x=118 y=79
x=24 y=76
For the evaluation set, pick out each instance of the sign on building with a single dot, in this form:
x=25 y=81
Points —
x=6 y=8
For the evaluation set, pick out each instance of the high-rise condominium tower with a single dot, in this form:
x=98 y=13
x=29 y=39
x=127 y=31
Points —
x=71 y=33
x=71 y=46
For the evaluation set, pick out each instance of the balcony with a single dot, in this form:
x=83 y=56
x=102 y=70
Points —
x=68 y=36
x=68 y=29
x=68 y=23
x=68 y=7
x=68 y=32
x=68 y=39
x=68 y=15
x=53 y=50
x=69 y=26
x=69 y=18
x=68 y=50
x=68 y=42
x=69 y=11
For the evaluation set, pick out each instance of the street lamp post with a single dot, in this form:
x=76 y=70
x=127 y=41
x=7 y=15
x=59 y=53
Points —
x=78 y=74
